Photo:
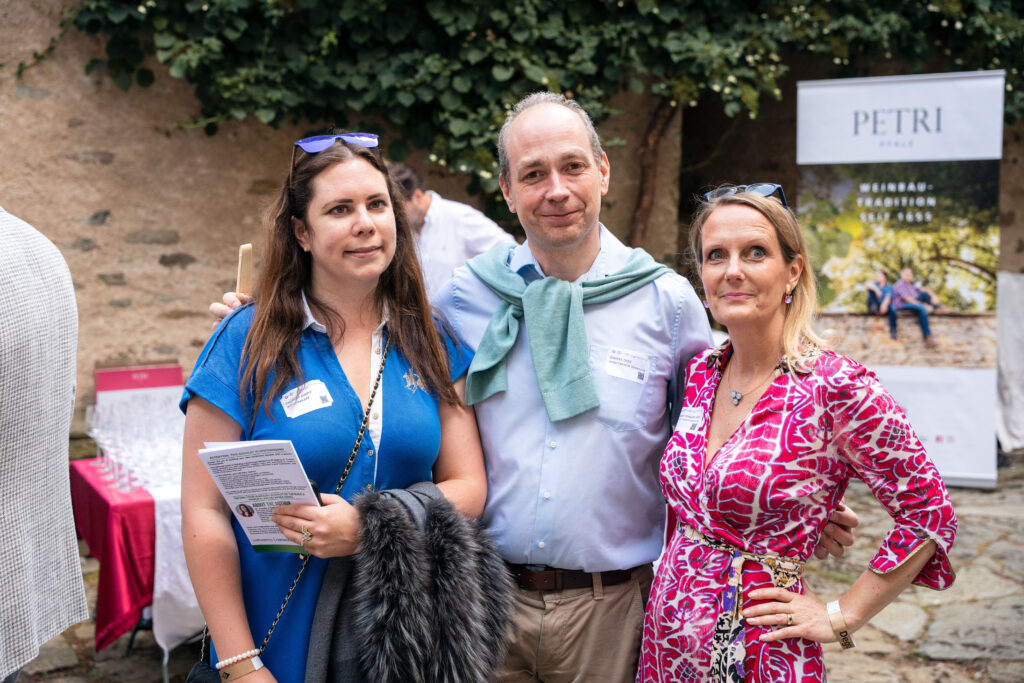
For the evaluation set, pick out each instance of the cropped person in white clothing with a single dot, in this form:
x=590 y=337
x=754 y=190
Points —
x=40 y=575
x=447 y=232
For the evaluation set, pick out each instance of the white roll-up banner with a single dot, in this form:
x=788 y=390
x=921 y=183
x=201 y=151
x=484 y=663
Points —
x=898 y=196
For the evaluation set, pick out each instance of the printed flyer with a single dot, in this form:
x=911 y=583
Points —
x=255 y=477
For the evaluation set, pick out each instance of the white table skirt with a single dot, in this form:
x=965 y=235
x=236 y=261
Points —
x=176 y=615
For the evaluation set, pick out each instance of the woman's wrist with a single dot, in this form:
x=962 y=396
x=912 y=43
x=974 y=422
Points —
x=248 y=654
x=853 y=614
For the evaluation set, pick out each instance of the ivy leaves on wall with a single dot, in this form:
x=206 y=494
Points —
x=445 y=72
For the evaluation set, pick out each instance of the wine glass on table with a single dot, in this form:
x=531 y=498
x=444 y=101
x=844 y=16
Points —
x=91 y=418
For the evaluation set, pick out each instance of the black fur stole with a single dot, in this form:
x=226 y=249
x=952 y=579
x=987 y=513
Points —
x=430 y=605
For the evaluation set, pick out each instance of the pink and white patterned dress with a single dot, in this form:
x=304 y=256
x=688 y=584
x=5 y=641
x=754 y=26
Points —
x=755 y=513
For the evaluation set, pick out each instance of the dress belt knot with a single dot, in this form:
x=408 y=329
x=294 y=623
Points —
x=787 y=568
x=727 y=643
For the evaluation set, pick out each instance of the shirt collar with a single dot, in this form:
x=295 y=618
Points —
x=310 y=321
x=610 y=259
x=435 y=200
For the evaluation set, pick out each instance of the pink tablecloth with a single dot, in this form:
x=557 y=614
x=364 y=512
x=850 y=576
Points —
x=121 y=532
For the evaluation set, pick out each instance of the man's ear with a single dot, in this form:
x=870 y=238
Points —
x=605 y=169
x=300 y=232
x=507 y=193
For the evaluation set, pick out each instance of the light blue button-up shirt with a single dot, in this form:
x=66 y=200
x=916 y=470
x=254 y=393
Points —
x=583 y=493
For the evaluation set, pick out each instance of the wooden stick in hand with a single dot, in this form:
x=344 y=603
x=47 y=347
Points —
x=243 y=283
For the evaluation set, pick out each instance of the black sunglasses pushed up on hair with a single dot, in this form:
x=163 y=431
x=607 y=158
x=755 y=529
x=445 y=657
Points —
x=318 y=143
x=761 y=189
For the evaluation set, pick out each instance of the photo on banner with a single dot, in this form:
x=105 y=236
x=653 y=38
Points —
x=938 y=218
x=898 y=195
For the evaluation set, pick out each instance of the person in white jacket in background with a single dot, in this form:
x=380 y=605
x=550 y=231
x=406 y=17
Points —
x=448 y=233
x=40 y=573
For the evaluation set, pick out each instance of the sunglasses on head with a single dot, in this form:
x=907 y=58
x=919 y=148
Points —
x=318 y=143
x=761 y=189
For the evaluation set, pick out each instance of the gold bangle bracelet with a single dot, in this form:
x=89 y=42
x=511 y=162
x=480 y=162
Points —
x=239 y=669
x=835 y=616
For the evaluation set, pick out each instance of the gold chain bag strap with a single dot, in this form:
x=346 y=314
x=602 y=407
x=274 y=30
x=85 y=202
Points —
x=337 y=491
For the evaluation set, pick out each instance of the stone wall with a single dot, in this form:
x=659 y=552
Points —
x=149 y=216
x=963 y=340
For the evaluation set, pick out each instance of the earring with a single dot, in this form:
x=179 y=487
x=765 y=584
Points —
x=706 y=304
x=789 y=298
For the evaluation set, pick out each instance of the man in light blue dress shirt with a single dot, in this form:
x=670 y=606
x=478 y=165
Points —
x=575 y=505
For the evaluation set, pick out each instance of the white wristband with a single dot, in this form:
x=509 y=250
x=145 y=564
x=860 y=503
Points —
x=835 y=616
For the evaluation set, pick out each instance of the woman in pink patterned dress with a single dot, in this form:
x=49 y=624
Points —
x=772 y=428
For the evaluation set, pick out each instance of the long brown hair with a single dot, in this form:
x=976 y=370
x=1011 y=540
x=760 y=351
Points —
x=272 y=343
x=800 y=341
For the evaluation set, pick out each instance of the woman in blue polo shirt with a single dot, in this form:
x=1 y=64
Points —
x=339 y=294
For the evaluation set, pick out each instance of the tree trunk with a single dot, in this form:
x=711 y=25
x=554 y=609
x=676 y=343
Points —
x=649 y=148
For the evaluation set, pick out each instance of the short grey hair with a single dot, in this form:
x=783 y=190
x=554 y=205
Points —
x=545 y=97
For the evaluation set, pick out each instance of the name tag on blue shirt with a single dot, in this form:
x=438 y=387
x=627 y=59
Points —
x=627 y=365
x=311 y=396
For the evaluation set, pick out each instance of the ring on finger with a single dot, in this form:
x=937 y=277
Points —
x=789 y=620
x=307 y=536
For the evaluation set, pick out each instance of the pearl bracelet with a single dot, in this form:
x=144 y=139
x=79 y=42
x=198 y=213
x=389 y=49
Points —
x=221 y=663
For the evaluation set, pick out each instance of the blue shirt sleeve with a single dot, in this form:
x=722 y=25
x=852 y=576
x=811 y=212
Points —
x=215 y=376
x=459 y=355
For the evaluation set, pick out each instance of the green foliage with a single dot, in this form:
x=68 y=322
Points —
x=38 y=56
x=445 y=72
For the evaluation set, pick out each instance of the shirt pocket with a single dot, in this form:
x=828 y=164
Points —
x=625 y=381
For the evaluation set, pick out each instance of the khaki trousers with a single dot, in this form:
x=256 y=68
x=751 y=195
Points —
x=577 y=635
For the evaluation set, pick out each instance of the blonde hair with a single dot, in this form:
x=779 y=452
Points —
x=800 y=341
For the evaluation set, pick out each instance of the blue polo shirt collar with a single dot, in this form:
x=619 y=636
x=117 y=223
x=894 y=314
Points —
x=310 y=321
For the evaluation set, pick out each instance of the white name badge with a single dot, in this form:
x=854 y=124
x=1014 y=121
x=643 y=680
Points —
x=690 y=420
x=627 y=365
x=311 y=396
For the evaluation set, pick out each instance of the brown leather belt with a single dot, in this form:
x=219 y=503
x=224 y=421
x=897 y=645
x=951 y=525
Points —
x=539 y=577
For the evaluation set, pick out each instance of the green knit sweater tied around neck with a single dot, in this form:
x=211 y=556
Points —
x=553 y=311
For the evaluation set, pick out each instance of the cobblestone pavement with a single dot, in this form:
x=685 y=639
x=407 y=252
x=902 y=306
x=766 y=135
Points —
x=71 y=657
x=972 y=632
